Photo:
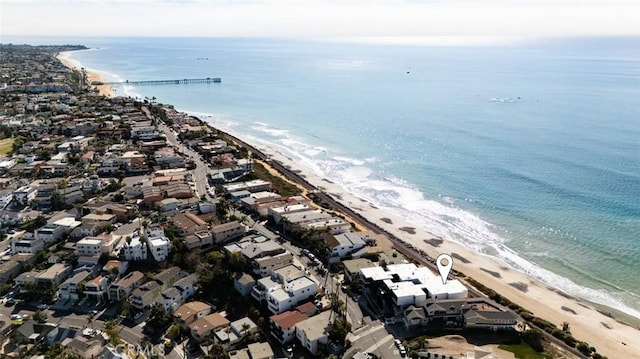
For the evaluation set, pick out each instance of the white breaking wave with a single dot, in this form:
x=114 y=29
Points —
x=440 y=217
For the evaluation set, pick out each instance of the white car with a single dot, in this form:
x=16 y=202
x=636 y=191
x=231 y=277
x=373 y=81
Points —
x=16 y=317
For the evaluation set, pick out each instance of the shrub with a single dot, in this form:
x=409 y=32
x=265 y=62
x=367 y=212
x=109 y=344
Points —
x=533 y=337
x=558 y=334
x=583 y=348
x=570 y=340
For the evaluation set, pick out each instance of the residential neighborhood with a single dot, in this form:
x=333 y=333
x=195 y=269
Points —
x=132 y=230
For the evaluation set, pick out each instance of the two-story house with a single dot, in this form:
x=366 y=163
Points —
x=123 y=287
x=97 y=288
x=190 y=312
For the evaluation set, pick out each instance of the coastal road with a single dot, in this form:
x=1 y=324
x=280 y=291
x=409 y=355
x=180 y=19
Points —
x=201 y=170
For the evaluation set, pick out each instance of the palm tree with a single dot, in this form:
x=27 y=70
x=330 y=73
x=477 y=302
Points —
x=222 y=207
x=90 y=320
x=245 y=329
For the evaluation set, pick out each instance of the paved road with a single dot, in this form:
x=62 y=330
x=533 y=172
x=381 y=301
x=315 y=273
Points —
x=354 y=313
x=202 y=168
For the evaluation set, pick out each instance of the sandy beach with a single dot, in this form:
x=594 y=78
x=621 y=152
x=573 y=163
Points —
x=609 y=336
x=104 y=90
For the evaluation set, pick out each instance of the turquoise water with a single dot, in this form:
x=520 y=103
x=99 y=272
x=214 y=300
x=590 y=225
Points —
x=530 y=153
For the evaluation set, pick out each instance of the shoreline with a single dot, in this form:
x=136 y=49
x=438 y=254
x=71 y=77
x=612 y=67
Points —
x=104 y=90
x=589 y=322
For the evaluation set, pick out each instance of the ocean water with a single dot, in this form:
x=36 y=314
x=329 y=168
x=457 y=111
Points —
x=528 y=152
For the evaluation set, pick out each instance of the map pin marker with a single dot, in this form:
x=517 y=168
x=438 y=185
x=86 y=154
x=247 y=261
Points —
x=444 y=269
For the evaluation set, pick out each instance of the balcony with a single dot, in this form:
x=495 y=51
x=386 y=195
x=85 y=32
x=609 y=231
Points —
x=257 y=294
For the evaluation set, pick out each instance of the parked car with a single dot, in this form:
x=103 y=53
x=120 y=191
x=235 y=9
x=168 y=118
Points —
x=43 y=306
x=10 y=302
x=16 y=317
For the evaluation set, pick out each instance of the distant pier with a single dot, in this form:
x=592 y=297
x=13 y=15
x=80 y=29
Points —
x=207 y=80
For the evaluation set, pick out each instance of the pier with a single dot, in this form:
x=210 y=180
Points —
x=207 y=80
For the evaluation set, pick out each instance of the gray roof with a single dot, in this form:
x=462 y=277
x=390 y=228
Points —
x=187 y=281
x=414 y=312
x=490 y=315
x=254 y=249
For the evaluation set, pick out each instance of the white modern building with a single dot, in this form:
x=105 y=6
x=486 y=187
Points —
x=277 y=212
x=28 y=245
x=157 y=242
x=408 y=284
x=290 y=294
x=134 y=249
x=89 y=246
x=24 y=194
x=160 y=248
x=97 y=288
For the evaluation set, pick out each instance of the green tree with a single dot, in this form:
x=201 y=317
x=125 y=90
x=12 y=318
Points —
x=112 y=330
x=174 y=332
x=54 y=350
x=222 y=208
x=40 y=316
x=217 y=351
x=339 y=330
x=80 y=289
x=5 y=288
x=236 y=261
x=337 y=305
x=125 y=311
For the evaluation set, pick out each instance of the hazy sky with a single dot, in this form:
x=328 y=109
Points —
x=303 y=18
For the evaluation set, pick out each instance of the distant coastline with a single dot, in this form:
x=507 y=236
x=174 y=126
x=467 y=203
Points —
x=586 y=321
